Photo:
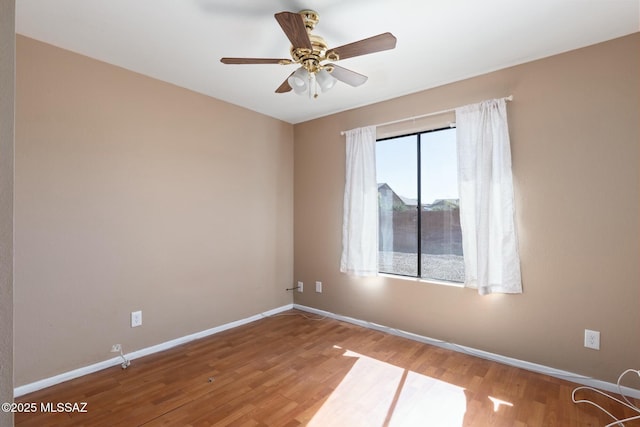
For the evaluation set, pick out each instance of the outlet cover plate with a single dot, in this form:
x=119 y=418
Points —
x=319 y=287
x=300 y=287
x=136 y=318
x=592 y=339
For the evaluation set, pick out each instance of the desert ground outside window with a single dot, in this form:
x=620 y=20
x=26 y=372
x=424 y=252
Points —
x=418 y=206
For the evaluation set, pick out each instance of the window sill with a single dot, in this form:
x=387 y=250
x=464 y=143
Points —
x=419 y=280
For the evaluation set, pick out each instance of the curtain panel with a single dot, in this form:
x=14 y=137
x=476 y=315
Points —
x=489 y=239
x=360 y=217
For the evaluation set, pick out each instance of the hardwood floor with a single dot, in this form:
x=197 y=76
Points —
x=289 y=370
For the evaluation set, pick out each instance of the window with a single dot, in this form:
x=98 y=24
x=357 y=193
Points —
x=418 y=206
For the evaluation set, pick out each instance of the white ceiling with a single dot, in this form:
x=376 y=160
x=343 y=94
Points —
x=439 y=41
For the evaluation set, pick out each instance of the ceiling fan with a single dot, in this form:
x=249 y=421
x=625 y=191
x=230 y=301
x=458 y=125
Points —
x=311 y=52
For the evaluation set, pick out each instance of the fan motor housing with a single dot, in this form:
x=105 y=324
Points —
x=311 y=59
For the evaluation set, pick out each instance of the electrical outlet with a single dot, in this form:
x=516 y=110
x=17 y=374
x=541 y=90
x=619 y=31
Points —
x=136 y=318
x=319 y=287
x=592 y=339
x=300 y=287
x=116 y=348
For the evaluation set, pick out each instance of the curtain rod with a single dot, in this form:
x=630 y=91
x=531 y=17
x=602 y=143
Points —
x=422 y=116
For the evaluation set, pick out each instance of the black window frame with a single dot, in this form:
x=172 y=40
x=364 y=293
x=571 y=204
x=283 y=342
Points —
x=419 y=201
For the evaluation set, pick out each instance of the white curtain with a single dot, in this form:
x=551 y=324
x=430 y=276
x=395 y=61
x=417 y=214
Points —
x=360 y=218
x=489 y=240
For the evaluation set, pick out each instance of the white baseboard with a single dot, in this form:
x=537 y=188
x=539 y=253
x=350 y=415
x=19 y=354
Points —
x=534 y=367
x=66 y=376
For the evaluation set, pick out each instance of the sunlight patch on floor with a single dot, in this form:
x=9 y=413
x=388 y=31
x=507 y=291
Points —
x=427 y=401
x=497 y=402
x=376 y=393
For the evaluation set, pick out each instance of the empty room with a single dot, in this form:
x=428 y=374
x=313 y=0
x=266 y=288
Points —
x=241 y=213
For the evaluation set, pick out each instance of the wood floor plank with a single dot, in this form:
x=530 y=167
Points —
x=290 y=370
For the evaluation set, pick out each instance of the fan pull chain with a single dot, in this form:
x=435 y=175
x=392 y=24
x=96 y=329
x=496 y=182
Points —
x=313 y=83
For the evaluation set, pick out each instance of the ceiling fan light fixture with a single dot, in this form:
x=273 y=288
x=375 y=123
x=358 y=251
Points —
x=325 y=80
x=299 y=80
x=310 y=51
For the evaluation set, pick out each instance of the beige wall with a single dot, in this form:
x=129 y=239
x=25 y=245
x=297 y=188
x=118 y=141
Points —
x=7 y=80
x=575 y=139
x=132 y=194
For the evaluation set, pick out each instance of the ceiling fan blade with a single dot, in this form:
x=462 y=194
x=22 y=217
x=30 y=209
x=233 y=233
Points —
x=255 y=61
x=285 y=87
x=293 y=26
x=347 y=76
x=384 y=41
